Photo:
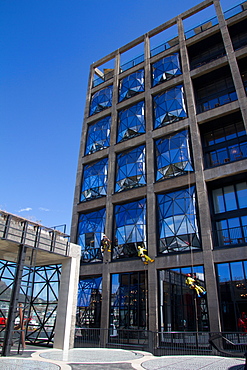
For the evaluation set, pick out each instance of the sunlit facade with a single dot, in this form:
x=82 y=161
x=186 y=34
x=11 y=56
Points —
x=163 y=165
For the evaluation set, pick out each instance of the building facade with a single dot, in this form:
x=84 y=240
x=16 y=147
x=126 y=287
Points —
x=162 y=166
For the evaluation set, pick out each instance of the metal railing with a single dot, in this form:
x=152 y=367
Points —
x=234 y=235
x=158 y=343
x=213 y=101
x=201 y=28
x=164 y=46
x=235 y=10
x=132 y=63
x=31 y=234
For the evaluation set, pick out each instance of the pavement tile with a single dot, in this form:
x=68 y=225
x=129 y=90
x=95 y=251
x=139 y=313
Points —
x=118 y=366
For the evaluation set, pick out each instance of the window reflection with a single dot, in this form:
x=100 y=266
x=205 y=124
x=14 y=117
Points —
x=230 y=209
x=173 y=155
x=90 y=231
x=131 y=122
x=130 y=169
x=128 y=302
x=180 y=308
x=94 y=180
x=232 y=294
x=88 y=303
x=101 y=100
x=169 y=106
x=166 y=68
x=130 y=229
x=178 y=229
x=131 y=85
x=98 y=136
x=225 y=144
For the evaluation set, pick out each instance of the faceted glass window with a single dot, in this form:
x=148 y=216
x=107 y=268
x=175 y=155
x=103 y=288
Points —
x=131 y=122
x=89 y=302
x=178 y=229
x=130 y=169
x=128 y=304
x=130 y=228
x=131 y=85
x=94 y=180
x=173 y=156
x=166 y=68
x=90 y=231
x=101 y=100
x=98 y=135
x=169 y=106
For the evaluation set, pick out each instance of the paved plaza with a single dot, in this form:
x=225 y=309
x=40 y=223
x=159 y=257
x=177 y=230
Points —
x=113 y=359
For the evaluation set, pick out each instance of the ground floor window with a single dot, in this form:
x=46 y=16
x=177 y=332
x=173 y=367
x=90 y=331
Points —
x=89 y=302
x=128 y=301
x=180 y=307
x=233 y=295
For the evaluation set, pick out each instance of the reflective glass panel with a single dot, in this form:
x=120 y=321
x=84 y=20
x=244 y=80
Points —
x=230 y=198
x=218 y=199
x=98 y=135
x=130 y=228
x=166 y=68
x=131 y=121
x=90 y=232
x=130 y=169
x=173 y=155
x=169 y=106
x=94 y=180
x=178 y=229
x=131 y=85
x=232 y=289
x=101 y=100
x=128 y=304
x=242 y=194
x=88 y=303
x=180 y=307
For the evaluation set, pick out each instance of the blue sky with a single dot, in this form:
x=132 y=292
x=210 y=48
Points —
x=47 y=47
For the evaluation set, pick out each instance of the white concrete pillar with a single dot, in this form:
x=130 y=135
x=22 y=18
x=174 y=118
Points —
x=67 y=301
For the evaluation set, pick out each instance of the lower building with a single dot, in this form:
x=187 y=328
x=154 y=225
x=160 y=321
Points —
x=39 y=271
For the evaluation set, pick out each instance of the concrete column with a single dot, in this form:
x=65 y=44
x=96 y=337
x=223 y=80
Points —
x=201 y=189
x=236 y=76
x=67 y=302
x=109 y=209
x=150 y=271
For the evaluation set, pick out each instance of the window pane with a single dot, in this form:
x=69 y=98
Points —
x=242 y=194
x=230 y=198
x=237 y=271
x=218 y=200
x=131 y=85
x=223 y=272
x=219 y=135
